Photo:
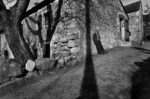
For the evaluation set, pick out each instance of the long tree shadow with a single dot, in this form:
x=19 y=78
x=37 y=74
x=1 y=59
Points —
x=141 y=81
x=89 y=88
x=143 y=50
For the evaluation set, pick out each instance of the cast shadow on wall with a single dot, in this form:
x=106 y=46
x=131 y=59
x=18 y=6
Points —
x=98 y=44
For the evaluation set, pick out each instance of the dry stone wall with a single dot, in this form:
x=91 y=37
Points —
x=65 y=43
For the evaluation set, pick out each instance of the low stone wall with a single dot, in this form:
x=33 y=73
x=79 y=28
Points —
x=65 y=43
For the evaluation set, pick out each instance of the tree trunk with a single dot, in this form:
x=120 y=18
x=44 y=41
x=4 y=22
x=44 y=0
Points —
x=52 y=27
x=11 y=25
x=16 y=42
x=12 y=29
x=46 y=48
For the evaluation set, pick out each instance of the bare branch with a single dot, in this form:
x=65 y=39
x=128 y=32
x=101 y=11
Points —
x=36 y=8
x=20 y=8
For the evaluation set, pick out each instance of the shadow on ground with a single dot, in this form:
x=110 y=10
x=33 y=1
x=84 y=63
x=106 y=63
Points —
x=146 y=51
x=141 y=81
x=89 y=88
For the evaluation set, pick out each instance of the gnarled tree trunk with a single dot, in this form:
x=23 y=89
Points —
x=12 y=29
x=11 y=26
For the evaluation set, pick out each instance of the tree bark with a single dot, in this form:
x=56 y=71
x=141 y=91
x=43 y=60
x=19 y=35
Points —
x=12 y=29
x=46 y=47
x=51 y=28
x=11 y=25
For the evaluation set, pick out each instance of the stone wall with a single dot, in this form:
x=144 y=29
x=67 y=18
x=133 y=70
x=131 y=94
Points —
x=136 y=26
x=69 y=39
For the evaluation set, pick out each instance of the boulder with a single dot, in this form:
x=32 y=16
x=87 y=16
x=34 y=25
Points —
x=73 y=43
x=75 y=50
x=9 y=68
x=45 y=64
x=30 y=65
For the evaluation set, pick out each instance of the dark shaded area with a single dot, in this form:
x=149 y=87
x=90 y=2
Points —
x=146 y=51
x=98 y=44
x=140 y=48
x=89 y=88
x=141 y=81
x=6 y=55
x=146 y=19
x=132 y=7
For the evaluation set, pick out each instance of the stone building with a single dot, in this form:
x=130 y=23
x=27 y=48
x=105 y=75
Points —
x=108 y=21
x=109 y=27
x=135 y=13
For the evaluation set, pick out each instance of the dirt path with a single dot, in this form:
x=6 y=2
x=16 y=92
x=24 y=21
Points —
x=108 y=76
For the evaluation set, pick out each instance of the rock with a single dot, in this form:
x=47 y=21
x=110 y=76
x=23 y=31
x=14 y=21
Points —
x=56 y=37
x=71 y=62
x=73 y=43
x=75 y=50
x=73 y=36
x=31 y=74
x=30 y=65
x=61 y=62
x=74 y=62
x=9 y=68
x=56 y=55
x=55 y=46
x=64 y=44
x=65 y=53
x=65 y=48
x=45 y=64
x=67 y=59
x=64 y=40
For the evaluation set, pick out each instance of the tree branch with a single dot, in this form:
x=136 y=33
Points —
x=36 y=8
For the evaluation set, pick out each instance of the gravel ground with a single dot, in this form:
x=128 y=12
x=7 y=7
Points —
x=119 y=74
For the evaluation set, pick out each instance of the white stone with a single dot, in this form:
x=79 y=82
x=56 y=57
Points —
x=30 y=65
x=65 y=39
x=75 y=50
x=9 y=4
x=73 y=43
